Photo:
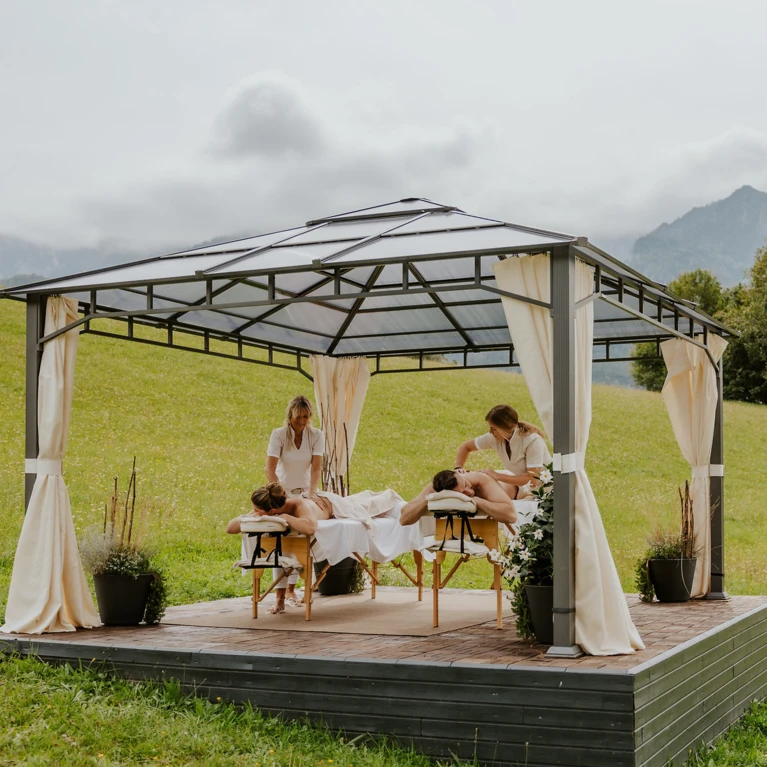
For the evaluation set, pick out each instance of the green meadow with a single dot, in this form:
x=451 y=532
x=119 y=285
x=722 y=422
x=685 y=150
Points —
x=199 y=427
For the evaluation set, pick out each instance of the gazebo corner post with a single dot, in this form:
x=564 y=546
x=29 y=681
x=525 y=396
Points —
x=716 y=495
x=562 y=264
x=34 y=355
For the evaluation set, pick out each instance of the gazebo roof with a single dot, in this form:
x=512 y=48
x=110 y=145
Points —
x=412 y=276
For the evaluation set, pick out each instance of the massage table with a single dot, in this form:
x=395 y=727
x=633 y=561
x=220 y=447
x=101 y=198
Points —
x=462 y=530
x=382 y=540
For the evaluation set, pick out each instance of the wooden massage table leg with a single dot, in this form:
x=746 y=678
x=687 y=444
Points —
x=498 y=595
x=308 y=580
x=418 y=559
x=256 y=593
x=436 y=584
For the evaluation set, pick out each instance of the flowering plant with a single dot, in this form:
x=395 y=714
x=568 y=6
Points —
x=528 y=558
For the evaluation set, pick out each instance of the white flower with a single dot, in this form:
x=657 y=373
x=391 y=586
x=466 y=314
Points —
x=495 y=555
x=538 y=534
x=524 y=555
x=546 y=476
x=513 y=572
x=513 y=544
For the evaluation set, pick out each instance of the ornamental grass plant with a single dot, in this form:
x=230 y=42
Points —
x=120 y=546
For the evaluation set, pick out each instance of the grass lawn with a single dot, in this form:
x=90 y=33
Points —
x=78 y=717
x=199 y=426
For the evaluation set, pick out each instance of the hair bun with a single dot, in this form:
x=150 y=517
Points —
x=275 y=489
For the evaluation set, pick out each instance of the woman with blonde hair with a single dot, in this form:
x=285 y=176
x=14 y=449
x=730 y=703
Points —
x=520 y=446
x=294 y=461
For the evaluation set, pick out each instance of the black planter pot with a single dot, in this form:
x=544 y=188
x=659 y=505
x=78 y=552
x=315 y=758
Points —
x=540 y=599
x=672 y=578
x=338 y=579
x=122 y=598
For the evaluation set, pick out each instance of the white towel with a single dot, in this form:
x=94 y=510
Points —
x=469 y=547
x=286 y=561
x=249 y=523
x=449 y=500
x=364 y=506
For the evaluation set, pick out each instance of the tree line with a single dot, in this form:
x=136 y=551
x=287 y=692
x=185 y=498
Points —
x=744 y=310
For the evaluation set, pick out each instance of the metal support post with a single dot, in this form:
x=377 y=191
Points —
x=35 y=328
x=716 y=495
x=563 y=356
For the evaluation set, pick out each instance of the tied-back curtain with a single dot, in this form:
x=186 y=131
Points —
x=49 y=592
x=603 y=625
x=691 y=397
x=340 y=386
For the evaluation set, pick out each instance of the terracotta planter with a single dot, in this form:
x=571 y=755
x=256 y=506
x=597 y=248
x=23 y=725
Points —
x=672 y=578
x=122 y=598
x=540 y=599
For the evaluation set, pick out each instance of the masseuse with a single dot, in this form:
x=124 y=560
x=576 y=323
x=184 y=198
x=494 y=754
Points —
x=294 y=460
x=519 y=445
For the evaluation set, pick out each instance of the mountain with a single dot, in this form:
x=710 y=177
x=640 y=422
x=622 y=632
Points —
x=722 y=237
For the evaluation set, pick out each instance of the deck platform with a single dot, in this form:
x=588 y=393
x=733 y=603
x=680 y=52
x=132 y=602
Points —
x=468 y=691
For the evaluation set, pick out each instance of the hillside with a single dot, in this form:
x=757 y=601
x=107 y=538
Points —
x=722 y=237
x=199 y=427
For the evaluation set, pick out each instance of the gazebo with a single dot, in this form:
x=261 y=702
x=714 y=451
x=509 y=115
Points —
x=413 y=285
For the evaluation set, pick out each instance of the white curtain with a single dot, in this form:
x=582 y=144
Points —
x=603 y=625
x=340 y=386
x=691 y=396
x=48 y=590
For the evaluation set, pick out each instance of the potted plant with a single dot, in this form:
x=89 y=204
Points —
x=528 y=567
x=667 y=568
x=129 y=586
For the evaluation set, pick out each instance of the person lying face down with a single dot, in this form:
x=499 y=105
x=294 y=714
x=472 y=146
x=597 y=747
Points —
x=486 y=492
x=301 y=514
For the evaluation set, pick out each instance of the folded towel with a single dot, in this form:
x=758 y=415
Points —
x=451 y=504
x=263 y=524
x=469 y=547
x=450 y=500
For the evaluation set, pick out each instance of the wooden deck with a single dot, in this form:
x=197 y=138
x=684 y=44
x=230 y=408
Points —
x=475 y=690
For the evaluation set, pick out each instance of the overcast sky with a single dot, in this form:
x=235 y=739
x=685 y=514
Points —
x=157 y=123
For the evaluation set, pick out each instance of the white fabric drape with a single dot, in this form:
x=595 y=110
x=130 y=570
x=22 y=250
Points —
x=340 y=386
x=691 y=397
x=49 y=592
x=603 y=625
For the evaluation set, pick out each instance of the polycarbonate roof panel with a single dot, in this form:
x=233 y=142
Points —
x=490 y=337
x=407 y=320
x=149 y=271
x=238 y=246
x=459 y=241
x=310 y=316
x=289 y=338
x=391 y=208
x=446 y=220
x=277 y=258
x=354 y=231
x=404 y=343
x=478 y=315
x=212 y=321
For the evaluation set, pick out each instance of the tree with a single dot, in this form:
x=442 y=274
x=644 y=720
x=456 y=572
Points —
x=700 y=286
x=745 y=360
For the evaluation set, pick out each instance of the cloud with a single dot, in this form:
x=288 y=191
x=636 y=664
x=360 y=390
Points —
x=268 y=116
x=293 y=164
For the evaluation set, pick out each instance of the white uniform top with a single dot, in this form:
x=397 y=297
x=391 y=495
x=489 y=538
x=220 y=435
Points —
x=294 y=465
x=528 y=451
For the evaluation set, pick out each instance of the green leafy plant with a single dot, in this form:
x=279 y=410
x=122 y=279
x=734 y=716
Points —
x=666 y=544
x=119 y=547
x=528 y=559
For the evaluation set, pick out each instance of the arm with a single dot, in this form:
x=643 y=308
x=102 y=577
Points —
x=413 y=511
x=271 y=468
x=491 y=498
x=314 y=480
x=233 y=525
x=512 y=479
x=463 y=452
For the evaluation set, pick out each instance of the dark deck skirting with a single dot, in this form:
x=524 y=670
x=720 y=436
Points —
x=506 y=715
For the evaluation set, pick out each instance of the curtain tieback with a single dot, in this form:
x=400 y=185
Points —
x=708 y=470
x=39 y=466
x=569 y=462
